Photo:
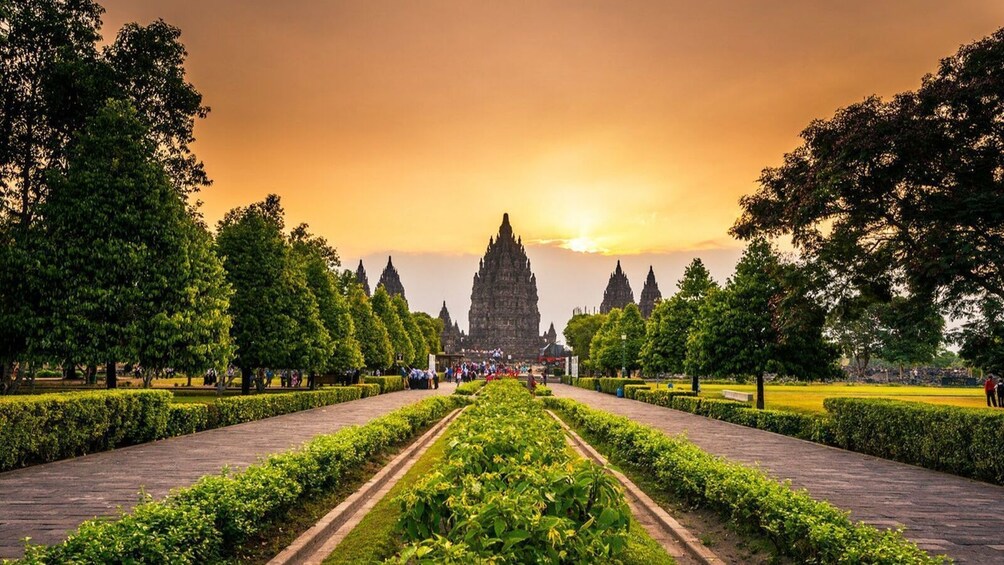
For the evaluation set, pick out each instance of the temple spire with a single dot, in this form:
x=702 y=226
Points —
x=390 y=280
x=650 y=294
x=362 y=279
x=618 y=293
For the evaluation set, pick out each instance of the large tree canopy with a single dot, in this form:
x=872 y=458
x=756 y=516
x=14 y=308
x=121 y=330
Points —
x=904 y=193
x=668 y=328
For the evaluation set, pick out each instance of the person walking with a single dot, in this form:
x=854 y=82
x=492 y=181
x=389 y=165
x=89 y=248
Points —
x=989 y=387
x=1000 y=393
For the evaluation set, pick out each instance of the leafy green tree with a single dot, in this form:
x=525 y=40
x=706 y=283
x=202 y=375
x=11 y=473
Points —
x=901 y=194
x=669 y=326
x=131 y=277
x=420 y=357
x=579 y=333
x=982 y=338
x=755 y=326
x=276 y=322
x=912 y=331
x=432 y=330
x=384 y=308
x=856 y=329
x=631 y=334
x=371 y=333
x=605 y=347
x=320 y=262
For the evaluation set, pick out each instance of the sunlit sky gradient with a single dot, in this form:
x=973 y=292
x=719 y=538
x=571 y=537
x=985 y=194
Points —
x=627 y=128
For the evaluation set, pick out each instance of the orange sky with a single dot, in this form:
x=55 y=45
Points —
x=629 y=127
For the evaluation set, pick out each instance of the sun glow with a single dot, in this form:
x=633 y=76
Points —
x=582 y=244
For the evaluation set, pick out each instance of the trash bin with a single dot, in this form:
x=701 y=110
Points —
x=620 y=392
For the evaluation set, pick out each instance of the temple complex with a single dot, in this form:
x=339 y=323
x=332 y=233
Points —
x=504 y=312
x=361 y=278
x=618 y=292
x=451 y=338
x=550 y=336
x=649 y=294
x=390 y=280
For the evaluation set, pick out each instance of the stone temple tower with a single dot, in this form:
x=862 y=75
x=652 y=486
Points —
x=504 y=310
x=650 y=294
x=361 y=278
x=390 y=280
x=618 y=293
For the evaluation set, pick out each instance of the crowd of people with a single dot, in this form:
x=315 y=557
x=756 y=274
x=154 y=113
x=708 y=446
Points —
x=994 y=387
x=472 y=370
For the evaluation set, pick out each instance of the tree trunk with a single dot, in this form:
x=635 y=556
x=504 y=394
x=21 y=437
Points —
x=70 y=370
x=695 y=383
x=246 y=376
x=92 y=374
x=312 y=380
x=759 y=391
x=111 y=378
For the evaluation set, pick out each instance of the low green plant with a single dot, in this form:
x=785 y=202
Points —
x=542 y=390
x=205 y=522
x=231 y=410
x=469 y=388
x=186 y=419
x=388 y=383
x=588 y=383
x=504 y=494
x=368 y=389
x=805 y=529
x=610 y=385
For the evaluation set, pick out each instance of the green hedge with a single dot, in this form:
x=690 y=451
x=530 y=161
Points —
x=660 y=397
x=186 y=419
x=588 y=383
x=47 y=427
x=542 y=390
x=239 y=409
x=962 y=441
x=391 y=383
x=610 y=385
x=368 y=389
x=805 y=529
x=469 y=388
x=631 y=389
x=204 y=522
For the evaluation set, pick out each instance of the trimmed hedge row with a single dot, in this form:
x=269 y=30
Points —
x=47 y=427
x=610 y=385
x=661 y=397
x=390 y=383
x=805 y=529
x=202 y=523
x=184 y=419
x=368 y=389
x=961 y=441
x=542 y=390
x=811 y=427
x=588 y=383
x=239 y=409
x=469 y=388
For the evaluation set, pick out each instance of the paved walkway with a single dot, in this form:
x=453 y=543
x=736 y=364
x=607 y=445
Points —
x=942 y=513
x=47 y=501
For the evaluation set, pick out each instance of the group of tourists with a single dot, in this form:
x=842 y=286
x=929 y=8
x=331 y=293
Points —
x=994 y=387
x=417 y=379
x=472 y=370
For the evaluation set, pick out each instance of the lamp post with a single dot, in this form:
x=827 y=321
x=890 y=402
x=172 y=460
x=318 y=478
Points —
x=623 y=356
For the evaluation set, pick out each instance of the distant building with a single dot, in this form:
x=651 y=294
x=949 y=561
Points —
x=504 y=312
x=550 y=336
x=390 y=280
x=618 y=293
x=361 y=278
x=451 y=338
x=649 y=294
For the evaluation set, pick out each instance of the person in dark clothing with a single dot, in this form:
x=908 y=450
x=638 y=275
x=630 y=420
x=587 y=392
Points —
x=990 y=387
x=1000 y=393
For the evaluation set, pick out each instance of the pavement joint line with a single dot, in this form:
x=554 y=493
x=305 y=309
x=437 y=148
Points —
x=689 y=541
x=315 y=544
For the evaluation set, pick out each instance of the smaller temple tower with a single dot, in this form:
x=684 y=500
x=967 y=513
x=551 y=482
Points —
x=390 y=280
x=362 y=279
x=650 y=294
x=618 y=293
x=551 y=336
x=451 y=337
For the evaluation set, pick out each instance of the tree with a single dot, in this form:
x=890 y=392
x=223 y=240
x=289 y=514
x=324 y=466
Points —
x=760 y=323
x=982 y=338
x=371 y=333
x=604 y=349
x=130 y=275
x=631 y=334
x=912 y=331
x=432 y=330
x=856 y=329
x=669 y=326
x=320 y=262
x=384 y=308
x=579 y=333
x=420 y=357
x=276 y=319
x=901 y=194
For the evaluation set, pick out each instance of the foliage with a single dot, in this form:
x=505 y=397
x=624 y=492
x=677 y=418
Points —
x=390 y=383
x=669 y=326
x=183 y=419
x=368 y=389
x=660 y=397
x=400 y=342
x=503 y=492
x=204 y=522
x=805 y=529
x=432 y=330
x=579 y=333
x=47 y=427
x=415 y=335
x=542 y=390
x=370 y=332
x=610 y=385
x=962 y=441
x=469 y=388
x=588 y=383
x=232 y=410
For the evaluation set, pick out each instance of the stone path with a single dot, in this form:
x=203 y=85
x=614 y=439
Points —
x=942 y=513
x=47 y=501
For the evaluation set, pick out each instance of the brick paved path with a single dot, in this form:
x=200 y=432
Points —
x=942 y=513
x=47 y=501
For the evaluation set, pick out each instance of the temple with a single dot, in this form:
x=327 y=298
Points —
x=390 y=280
x=618 y=293
x=504 y=312
x=361 y=278
x=650 y=294
x=451 y=338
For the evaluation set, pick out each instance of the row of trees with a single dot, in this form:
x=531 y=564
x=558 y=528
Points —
x=103 y=259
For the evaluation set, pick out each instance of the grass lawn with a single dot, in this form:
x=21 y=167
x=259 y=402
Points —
x=809 y=398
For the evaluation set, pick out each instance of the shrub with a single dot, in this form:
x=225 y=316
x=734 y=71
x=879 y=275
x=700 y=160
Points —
x=610 y=385
x=686 y=403
x=368 y=389
x=239 y=409
x=389 y=383
x=720 y=409
x=660 y=397
x=469 y=388
x=186 y=419
x=201 y=523
x=962 y=441
x=588 y=383
x=542 y=390
x=631 y=389
x=803 y=528
x=47 y=427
